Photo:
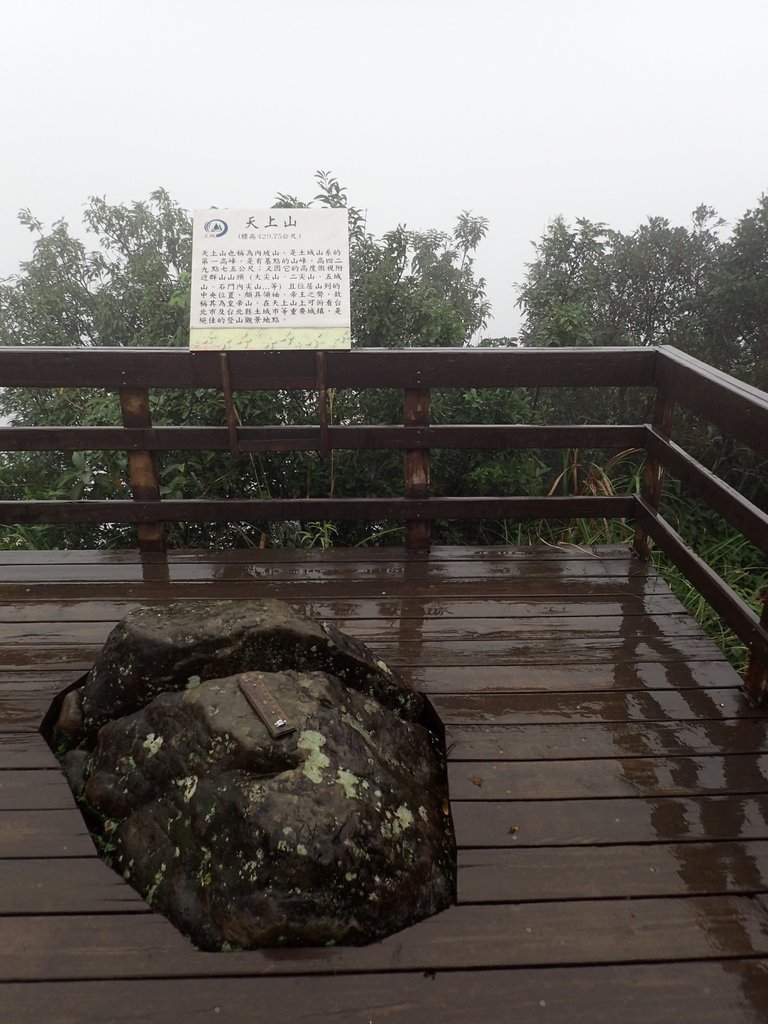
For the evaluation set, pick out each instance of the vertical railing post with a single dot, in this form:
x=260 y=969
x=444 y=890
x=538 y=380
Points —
x=756 y=679
x=653 y=474
x=418 y=532
x=142 y=465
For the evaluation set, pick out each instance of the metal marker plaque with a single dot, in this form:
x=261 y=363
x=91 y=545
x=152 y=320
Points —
x=255 y=691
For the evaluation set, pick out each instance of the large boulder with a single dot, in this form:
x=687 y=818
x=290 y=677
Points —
x=155 y=649
x=336 y=833
x=334 y=828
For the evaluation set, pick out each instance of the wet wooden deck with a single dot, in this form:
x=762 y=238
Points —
x=609 y=788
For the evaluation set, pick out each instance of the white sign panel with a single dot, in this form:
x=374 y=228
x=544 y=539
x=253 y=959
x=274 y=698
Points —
x=270 y=279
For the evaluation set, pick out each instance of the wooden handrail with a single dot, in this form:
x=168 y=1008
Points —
x=738 y=409
x=114 y=368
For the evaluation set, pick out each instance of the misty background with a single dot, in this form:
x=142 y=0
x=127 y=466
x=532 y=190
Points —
x=517 y=111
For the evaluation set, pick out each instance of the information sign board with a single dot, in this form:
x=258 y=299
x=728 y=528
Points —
x=270 y=279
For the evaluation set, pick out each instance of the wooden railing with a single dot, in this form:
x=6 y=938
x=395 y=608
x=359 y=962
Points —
x=739 y=411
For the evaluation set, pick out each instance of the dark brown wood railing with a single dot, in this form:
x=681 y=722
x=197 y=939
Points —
x=739 y=411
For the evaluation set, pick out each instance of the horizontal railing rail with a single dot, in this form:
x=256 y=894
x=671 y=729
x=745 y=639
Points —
x=307 y=438
x=736 y=408
x=229 y=510
x=115 y=368
x=675 y=379
x=749 y=520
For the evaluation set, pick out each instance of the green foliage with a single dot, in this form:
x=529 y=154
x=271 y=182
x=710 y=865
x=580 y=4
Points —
x=316 y=535
x=120 y=293
x=660 y=284
x=738 y=300
x=409 y=287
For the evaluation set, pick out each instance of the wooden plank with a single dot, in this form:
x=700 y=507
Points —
x=710 y=992
x=638 y=776
x=44 y=833
x=554 y=650
x=543 y=650
x=630 y=573
x=34 y=679
x=595 y=740
x=24 y=700
x=483 y=630
x=393 y=553
x=25 y=752
x=22 y=713
x=468 y=631
x=550 y=679
x=74 y=885
x=65 y=634
x=545 y=551
x=505 y=695
x=23 y=707
x=300 y=590
x=581 y=650
x=525 y=747
x=34 y=789
x=534 y=708
x=371 y=608
x=608 y=872
x=85 y=885
x=545 y=934
x=599 y=822
x=69 y=660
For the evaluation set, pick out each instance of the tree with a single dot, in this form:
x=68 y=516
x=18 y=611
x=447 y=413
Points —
x=737 y=306
x=409 y=288
x=592 y=285
x=120 y=293
x=659 y=285
x=560 y=295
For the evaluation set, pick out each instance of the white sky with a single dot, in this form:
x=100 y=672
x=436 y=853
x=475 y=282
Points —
x=516 y=110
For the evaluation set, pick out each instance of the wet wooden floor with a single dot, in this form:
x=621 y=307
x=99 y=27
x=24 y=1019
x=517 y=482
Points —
x=609 y=789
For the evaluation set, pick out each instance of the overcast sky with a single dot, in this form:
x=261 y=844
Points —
x=516 y=110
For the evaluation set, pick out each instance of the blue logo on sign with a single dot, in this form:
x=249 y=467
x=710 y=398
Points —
x=216 y=228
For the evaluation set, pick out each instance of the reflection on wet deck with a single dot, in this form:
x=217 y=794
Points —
x=609 y=790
